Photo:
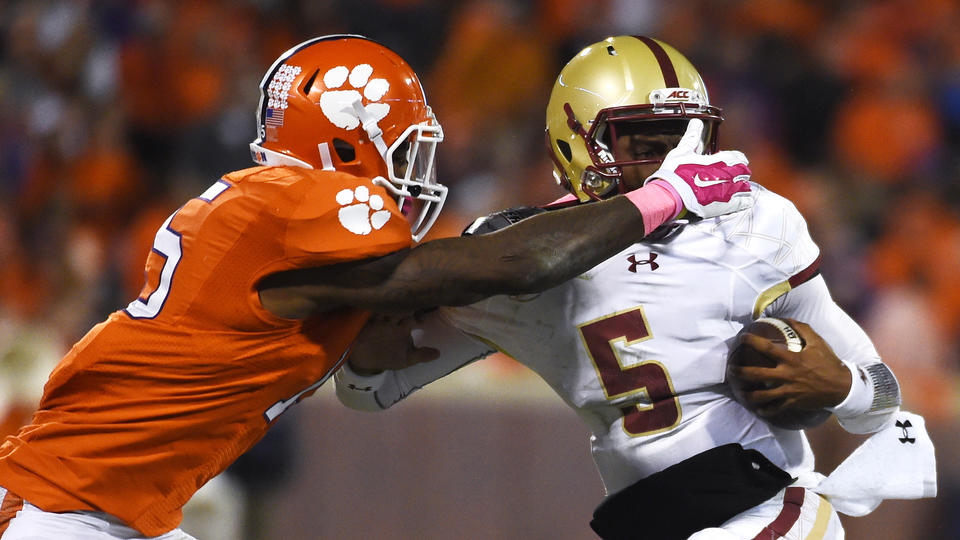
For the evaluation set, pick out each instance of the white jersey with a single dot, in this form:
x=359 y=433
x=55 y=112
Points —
x=638 y=345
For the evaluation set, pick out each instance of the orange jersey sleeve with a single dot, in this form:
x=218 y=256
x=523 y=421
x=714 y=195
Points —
x=166 y=393
x=255 y=222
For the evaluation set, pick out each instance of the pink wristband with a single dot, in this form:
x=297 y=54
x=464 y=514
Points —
x=658 y=203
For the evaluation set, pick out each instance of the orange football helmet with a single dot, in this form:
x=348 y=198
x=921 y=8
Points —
x=611 y=86
x=346 y=103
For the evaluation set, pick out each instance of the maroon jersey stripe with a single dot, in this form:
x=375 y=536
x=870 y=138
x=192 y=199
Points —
x=792 y=501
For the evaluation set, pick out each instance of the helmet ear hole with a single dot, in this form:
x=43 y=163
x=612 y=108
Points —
x=345 y=151
x=565 y=150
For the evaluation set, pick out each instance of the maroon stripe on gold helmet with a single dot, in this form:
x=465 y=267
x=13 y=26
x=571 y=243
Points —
x=666 y=66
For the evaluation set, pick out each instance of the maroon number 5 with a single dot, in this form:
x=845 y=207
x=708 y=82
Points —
x=661 y=410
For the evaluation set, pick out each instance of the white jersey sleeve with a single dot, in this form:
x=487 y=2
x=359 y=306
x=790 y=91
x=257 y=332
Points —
x=777 y=234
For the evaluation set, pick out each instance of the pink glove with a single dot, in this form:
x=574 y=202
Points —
x=709 y=185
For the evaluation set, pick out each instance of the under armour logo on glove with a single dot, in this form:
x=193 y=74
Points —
x=709 y=185
x=906 y=434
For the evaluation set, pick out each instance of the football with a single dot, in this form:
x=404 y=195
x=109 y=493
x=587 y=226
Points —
x=781 y=333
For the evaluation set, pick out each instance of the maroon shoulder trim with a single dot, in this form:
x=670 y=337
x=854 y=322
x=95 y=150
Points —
x=666 y=66
x=807 y=273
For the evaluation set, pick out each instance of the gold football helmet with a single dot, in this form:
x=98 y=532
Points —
x=613 y=85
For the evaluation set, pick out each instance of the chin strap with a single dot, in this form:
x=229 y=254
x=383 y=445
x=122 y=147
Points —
x=325 y=159
x=369 y=124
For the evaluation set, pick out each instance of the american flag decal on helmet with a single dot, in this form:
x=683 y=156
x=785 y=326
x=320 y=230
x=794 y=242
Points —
x=274 y=117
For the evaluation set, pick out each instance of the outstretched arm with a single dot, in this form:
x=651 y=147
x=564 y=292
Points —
x=532 y=256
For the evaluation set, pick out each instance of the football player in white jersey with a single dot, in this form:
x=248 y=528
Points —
x=638 y=345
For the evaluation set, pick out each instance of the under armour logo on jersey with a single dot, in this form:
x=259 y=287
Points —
x=634 y=263
x=906 y=435
x=356 y=217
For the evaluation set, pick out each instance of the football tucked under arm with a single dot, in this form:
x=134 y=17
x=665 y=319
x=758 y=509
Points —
x=757 y=378
x=873 y=393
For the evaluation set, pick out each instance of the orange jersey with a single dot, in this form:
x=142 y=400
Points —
x=168 y=392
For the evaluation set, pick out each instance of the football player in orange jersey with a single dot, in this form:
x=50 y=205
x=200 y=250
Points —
x=256 y=288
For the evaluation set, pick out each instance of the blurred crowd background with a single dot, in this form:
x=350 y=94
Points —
x=114 y=112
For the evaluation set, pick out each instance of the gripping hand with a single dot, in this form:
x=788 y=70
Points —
x=709 y=185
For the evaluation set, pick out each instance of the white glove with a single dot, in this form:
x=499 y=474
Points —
x=709 y=185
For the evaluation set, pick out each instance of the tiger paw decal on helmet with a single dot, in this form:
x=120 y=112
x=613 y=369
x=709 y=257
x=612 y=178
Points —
x=337 y=105
x=356 y=205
